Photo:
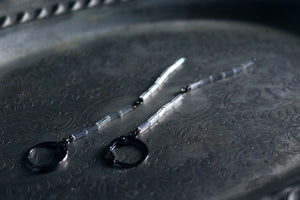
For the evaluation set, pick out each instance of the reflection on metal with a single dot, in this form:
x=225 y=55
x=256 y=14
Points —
x=55 y=9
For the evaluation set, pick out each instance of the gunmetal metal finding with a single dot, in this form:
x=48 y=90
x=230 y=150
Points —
x=59 y=151
x=124 y=141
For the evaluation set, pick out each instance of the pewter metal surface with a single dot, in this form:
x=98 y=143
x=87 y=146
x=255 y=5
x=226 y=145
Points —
x=14 y=13
x=222 y=140
x=234 y=139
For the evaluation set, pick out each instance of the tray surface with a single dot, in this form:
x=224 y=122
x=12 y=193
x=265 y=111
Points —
x=224 y=140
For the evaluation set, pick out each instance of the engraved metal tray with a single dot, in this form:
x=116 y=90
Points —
x=234 y=139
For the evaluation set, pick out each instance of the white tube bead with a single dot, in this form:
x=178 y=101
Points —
x=196 y=85
x=145 y=95
x=153 y=88
x=114 y=116
x=161 y=112
x=101 y=123
x=142 y=128
x=158 y=81
x=153 y=119
x=168 y=106
x=125 y=110
x=169 y=70
x=162 y=78
x=177 y=99
x=172 y=68
x=79 y=135
x=247 y=64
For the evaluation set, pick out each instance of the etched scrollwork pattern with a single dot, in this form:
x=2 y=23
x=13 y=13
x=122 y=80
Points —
x=221 y=139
